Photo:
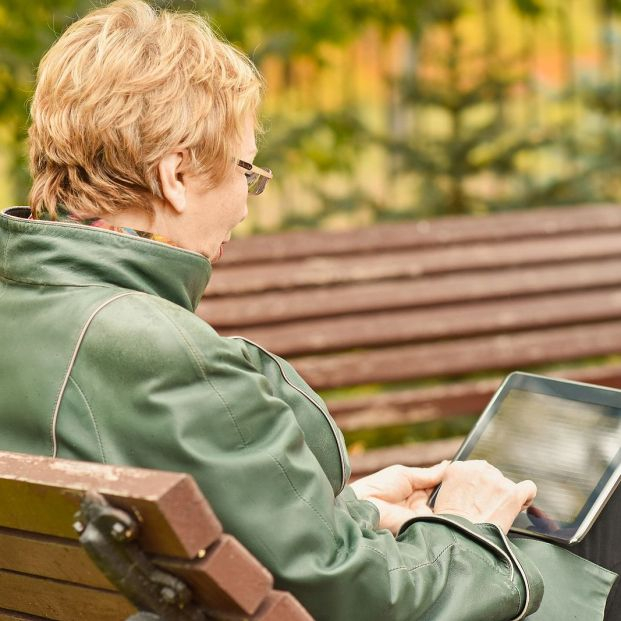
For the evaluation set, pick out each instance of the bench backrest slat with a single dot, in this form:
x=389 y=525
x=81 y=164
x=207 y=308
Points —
x=45 y=573
x=428 y=360
x=280 y=606
x=61 y=601
x=228 y=578
x=59 y=559
x=411 y=263
x=429 y=403
x=211 y=575
x=259 y=309
x=446 y=322
x=446 y=230
x=42 y=495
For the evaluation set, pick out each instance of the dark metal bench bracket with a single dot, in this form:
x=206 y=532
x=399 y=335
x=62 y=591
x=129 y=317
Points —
x=108 y=536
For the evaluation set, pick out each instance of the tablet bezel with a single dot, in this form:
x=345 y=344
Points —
x=565 y=389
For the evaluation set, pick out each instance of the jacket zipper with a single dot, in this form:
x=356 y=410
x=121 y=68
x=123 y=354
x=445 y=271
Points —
x=326 y=415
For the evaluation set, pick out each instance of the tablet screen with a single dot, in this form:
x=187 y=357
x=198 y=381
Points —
x=568 y=447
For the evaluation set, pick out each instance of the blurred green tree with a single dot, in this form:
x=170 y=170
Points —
x=478 y=140
x=482 y=148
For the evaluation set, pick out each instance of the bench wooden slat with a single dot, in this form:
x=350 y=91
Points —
x=418 y=405
x=400 y=327
x=52 y=577
x=468 y=355
x=61 y=601
x=412 y=454
x=59 y=559
x=273 y=307
x=44 y=495
x=281 y=606
x=390 y=307
x=7 y=615
x=412 y=263
x=447 y=230
x=66 y=561
x=213 y=582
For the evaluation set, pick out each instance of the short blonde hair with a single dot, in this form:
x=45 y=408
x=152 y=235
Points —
x=121 y=88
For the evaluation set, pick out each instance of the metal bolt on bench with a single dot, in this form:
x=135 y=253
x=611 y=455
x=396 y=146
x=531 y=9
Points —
x=145 y=545
x=108 y=536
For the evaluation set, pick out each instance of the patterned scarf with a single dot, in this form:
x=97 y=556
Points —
x=63 y=215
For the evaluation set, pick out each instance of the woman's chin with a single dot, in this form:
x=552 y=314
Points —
x=217 y=255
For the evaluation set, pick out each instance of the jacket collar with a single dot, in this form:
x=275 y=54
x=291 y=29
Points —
x=63 y=253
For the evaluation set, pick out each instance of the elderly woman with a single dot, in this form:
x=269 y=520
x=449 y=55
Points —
x=142 y=146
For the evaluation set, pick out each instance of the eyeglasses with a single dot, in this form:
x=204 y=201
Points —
x=256 y=177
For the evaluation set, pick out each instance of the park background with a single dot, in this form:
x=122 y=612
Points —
x=392 y=110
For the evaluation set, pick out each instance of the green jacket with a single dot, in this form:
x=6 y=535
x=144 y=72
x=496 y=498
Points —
x=103 y=359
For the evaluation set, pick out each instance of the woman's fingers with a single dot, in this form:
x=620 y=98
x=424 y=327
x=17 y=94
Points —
x=397 y=483
x=426 y=478
x=526 y=491
x=481 y=493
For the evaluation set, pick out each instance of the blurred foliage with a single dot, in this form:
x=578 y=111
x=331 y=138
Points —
x=468 y=148
x=446 y=138
x=365 y=439
x=27 y=29
x=263 y=28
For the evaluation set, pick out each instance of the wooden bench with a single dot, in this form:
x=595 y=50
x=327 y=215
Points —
x=411 y=322
x=153 y=534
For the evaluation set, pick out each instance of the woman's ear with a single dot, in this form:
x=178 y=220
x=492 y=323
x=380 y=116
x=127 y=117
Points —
x=172 y=180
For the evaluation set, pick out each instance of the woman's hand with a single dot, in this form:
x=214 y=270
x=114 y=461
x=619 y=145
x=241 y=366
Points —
x=479 y=492
x=399 y=492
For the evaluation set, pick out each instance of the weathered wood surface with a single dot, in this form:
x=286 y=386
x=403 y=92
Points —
x=59 y=600
x=8 y=615
x=440 y=231
x=45 y=574
x=427 y=324
x=281 y=606
x=228 y=578
x=431 y=403
x=229 y=313
x=41 y=495
x=461 y=356
x=414 y=263
x=394 y=306
x=49 y=557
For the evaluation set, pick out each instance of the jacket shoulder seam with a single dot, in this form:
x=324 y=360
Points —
x=92 y=417
x=71 y=363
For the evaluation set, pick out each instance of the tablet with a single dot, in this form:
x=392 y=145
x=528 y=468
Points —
x=563 y=435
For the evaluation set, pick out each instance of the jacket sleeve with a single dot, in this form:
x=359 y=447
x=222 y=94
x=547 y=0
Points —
x=214 y=415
